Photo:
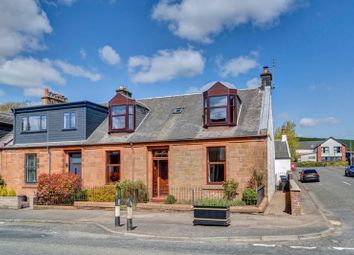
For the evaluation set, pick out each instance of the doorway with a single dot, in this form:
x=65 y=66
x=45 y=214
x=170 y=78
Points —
x=160 y=173
x=75 y=163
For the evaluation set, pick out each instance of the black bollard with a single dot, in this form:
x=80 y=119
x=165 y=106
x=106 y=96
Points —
x=117 y=209
x=130 y=214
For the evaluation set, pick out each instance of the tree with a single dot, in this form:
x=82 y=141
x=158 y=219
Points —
x=9 y=105
x=288 y=128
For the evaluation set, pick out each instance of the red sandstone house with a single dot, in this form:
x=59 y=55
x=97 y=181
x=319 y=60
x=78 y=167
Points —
x=195 y=140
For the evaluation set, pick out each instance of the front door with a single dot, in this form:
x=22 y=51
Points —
x=160 y=173
x=75 y=163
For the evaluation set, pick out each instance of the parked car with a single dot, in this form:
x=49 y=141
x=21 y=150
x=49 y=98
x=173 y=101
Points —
x=349 y=171
x=309 y=175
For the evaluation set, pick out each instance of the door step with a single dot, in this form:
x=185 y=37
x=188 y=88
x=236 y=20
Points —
x=158 y=199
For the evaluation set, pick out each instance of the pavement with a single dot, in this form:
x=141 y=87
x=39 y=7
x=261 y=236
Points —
x=274 y=224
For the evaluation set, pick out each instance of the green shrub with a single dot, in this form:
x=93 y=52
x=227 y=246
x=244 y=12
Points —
x=237 y=202
x=81 y=195
x=131 y=189
x=3 y=191
x=105 y=193
x=322 y=164
x=257 y=178
x=230 y=189
x=249 y=196
x=217 y=202
x=11 y=193
x=171 y=199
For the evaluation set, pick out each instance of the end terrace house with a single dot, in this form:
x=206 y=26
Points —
x=195 y=140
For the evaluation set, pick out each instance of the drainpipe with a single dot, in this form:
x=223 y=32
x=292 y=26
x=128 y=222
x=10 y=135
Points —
x=133 y=161
x=48 y=151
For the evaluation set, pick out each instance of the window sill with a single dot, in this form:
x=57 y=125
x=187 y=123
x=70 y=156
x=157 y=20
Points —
x=30 y=185
x=69 y=129
x=34 y=132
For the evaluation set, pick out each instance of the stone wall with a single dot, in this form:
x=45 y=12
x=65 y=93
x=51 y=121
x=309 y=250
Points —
x=10 y=202
x=187 y=163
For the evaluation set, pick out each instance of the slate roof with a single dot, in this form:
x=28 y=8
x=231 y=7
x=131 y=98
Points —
x=6 y=139
x=161 y=124
x=6 y=118
x=309 y=145
x=281 y=150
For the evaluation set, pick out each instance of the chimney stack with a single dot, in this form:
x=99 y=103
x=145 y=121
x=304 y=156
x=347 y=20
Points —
x=52 y=98
x=123 y=90
x=266 y=78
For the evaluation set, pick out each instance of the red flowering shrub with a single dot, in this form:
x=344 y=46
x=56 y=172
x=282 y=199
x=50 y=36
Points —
x=57 y=188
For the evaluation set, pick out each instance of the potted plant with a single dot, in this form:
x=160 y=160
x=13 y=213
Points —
x=211 y=212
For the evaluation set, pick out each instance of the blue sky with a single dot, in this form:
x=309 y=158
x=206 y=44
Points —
x=85 y=49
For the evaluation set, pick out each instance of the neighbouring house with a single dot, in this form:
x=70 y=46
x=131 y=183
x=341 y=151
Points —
x=194 y=140
x=282 y=157
x=321 y=151
x=6 y=120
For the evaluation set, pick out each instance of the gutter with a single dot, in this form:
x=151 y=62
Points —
x=143 y=142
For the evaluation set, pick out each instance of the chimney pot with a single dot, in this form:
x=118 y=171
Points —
x=123 y=90
x=266 y=78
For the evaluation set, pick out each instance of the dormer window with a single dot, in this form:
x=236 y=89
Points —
x=220 y=106
x=122 y=112
x=123 y=117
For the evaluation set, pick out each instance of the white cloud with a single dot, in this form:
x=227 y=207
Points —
x=237 y=66
x=311 y=122
x=108 y=55
x=166 y=65
x=66 y=2
x=253 y=83
x=29 y=74
x=22 y=26
x=199 y=20
x=77 y=71
x=83 y=54
x=32 y=75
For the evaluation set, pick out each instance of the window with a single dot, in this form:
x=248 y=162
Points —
x=69 y=120
x=220 y=106
x=123 y=117
x=337 y=149
x=325 y=149
x=216 y=165
x=31 y=168
x=34 y=123
x=113 y=166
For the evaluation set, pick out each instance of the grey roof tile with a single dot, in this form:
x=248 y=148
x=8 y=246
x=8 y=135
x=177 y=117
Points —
x=160 y=124
x=281 y=150
x=309 y=145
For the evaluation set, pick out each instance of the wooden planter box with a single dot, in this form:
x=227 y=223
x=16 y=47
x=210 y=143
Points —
x=10 y=202
x=211 y=216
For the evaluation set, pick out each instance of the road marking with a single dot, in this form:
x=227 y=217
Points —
x=303 y=247
x=343 y=248
x=263 y=245
x=347 y=183
x=335 y=222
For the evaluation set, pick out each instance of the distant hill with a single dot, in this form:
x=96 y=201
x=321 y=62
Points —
x=344 y=141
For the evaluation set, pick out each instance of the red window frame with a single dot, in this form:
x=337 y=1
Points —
x=121 y=100
x=215 y=163
x=219 y=90
x=108 y=165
